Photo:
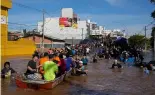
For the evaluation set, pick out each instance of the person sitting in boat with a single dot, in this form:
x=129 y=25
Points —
x=84 y=60
x=81 y=69
x=63 y=64
x=42 y=61
x=116 y=64
x=50 y=69
x=7 y=71
x=32 y=67
x=56 y=59
x=50 y=51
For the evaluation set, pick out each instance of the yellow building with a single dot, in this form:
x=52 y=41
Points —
x=12 y=48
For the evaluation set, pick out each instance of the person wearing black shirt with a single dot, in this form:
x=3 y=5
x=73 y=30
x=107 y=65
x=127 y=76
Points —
x=32 y=65
x=7 y=70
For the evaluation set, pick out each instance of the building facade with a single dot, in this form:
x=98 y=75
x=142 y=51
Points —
x=52 y=28
x=49 y=42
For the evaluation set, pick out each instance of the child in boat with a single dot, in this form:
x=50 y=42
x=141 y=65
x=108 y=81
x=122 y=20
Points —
x=116 y=64
x=81 y=69
x=7 y=70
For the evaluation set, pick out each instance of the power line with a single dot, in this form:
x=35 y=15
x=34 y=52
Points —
x=151 y=23
x=25 y=6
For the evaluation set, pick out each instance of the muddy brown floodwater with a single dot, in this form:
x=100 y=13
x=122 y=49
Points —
x=100 y=81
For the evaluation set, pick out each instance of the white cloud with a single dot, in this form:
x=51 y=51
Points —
x=116 y=2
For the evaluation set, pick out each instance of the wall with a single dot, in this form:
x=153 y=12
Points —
x=47 y=43
x=12 y=48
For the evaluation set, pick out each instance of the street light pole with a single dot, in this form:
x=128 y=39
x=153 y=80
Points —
x=154 y=42
x=43 y=31
x=145 y=39
x=82 y=33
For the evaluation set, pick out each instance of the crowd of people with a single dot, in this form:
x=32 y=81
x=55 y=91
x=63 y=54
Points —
x=56 y=62
x=130 y=56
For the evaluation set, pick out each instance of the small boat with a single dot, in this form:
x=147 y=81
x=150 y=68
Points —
x=40 y=84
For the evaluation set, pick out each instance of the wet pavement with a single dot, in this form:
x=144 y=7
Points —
x=100 y=81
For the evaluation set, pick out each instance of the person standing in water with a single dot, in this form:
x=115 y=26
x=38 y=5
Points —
x=116 y=64
x=7 y=70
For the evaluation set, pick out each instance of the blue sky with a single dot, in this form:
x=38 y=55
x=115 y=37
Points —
x=131 y=15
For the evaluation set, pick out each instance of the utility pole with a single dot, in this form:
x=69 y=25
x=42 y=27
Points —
x=154 y=42
x=82 y=34
x=72 y=41
x=43 y=31
x=145 y=40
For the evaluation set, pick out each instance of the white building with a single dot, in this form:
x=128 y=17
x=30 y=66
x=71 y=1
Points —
x=114 y=33
x=106 y=32
x=52 y=28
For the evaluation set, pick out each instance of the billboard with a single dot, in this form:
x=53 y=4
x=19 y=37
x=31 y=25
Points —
x=74 y=21
x=65 y=22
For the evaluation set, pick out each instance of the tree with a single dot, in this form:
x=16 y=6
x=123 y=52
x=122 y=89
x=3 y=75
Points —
x=153 y=29
x=152 y=37
x=137 y=41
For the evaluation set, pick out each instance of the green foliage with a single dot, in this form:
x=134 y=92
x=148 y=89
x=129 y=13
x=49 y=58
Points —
x=137 y=41
x=153 y=29
x=152 y=1
x=153 y=14
x=152 y=37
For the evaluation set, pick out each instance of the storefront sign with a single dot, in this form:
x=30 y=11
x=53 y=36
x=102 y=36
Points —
x=3 y=19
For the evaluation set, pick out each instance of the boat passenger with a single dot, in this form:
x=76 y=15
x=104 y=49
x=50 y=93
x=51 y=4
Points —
x=32 y=65
x=84 y=60
x=50 y=69
x=63 y=64
x=81 y=69
x=7 y=70
x=42 y=61
x=116 y=64
x=56 y=59
x=50 y=51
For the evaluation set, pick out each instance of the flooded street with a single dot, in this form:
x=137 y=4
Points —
x=100 y=81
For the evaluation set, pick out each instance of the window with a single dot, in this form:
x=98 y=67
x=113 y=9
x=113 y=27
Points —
x=12 y=38
x=47 y=45
x=58 y=46
x=38 y=45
